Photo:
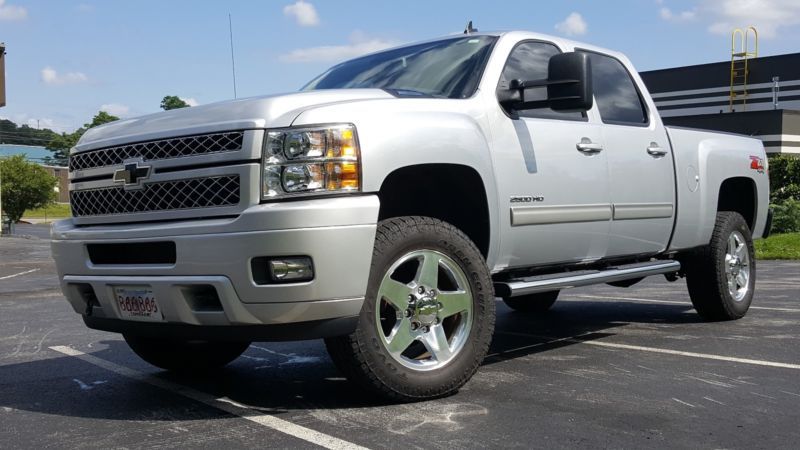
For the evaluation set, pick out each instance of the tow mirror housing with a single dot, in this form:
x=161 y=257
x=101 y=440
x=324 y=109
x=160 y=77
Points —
x=569 y=86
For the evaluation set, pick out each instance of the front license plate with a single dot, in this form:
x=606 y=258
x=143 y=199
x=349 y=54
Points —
x=138 y=303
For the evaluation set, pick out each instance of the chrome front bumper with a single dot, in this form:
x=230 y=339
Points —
x=337 y=233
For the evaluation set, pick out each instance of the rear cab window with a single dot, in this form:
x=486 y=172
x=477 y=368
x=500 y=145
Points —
x=615 y=92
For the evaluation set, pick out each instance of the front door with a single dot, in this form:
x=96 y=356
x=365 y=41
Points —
x=552 y=174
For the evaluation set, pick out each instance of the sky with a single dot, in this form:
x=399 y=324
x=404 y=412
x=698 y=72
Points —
x=66 y=60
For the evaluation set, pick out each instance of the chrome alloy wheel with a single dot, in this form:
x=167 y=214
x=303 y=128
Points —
x=737 y=266
x=425 y=308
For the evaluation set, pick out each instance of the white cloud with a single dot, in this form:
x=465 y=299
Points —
x=85 y=8
x=51 y=77
x=682 y=16
x=12 y=12
x=359 y=45
x=303 y=13
x=573 y=25
x=768 y=16
x=190 y=101
x=116 y=109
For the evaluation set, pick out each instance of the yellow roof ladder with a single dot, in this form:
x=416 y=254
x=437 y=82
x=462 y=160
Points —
x=740 y=66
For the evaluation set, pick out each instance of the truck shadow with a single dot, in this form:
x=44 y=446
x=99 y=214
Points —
x=279 y=378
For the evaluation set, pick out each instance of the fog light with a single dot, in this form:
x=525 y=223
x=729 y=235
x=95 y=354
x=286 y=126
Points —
x=291 y=269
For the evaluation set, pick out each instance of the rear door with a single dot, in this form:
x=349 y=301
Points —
x=640 y=168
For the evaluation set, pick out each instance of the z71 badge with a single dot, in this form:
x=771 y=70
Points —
x=757 y=164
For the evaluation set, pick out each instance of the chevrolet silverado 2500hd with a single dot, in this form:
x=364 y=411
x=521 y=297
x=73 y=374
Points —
x=386 y=205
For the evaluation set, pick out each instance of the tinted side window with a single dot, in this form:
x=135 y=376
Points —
x=615 y=92
x=528 y=61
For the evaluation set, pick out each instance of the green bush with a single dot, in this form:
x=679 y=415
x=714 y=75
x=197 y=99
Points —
x=784 y=181
x=784 y=178
x=787 y=216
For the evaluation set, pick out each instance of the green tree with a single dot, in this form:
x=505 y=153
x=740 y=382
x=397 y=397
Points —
x=100 y=118
x=61 y=144
x=173 y=102
x=25 y=185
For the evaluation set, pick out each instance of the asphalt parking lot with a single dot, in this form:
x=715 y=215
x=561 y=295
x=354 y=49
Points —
x=607 y=367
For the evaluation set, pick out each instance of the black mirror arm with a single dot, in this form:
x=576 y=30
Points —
x=514 y=97
x=522 y=85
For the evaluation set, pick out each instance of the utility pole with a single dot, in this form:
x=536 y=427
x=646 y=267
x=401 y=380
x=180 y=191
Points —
x=2 y=74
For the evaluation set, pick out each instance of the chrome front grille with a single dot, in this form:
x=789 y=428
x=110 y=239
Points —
x=158 y=150
x=192 y=193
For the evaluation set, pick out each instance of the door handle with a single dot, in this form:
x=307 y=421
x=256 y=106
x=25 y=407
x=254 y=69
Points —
x=655 y=150
x=587 y=146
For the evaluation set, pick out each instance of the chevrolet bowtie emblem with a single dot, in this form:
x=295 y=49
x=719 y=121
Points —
x=132 y=174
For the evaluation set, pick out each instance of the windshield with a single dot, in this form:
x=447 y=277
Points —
x=448 y=69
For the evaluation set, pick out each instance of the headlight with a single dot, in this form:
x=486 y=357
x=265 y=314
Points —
x=302 y=161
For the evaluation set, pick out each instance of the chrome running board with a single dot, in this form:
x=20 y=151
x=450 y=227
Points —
x=558 y=281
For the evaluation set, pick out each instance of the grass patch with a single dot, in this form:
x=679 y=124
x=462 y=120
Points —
x=54 y=211
x=779 y=246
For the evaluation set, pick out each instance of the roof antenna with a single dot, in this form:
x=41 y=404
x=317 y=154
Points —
x=233 y=60
x=469 y=28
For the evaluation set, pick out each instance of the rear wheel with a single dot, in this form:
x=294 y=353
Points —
x=428 y=318
x=182 y=356
x=534 y=303
x=721 y=276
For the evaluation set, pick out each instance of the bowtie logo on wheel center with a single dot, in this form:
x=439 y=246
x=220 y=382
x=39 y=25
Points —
x=424 y=308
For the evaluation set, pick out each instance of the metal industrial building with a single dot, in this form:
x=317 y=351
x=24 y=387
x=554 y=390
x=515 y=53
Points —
x=759 y=97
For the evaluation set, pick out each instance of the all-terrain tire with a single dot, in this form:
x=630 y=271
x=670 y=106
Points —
x=185 y=356
x=710 y=268
x=363 y=356
x=533 y=303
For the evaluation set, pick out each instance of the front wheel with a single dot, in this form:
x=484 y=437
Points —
x=185 y=356
x=428 y=317
x=722 y=275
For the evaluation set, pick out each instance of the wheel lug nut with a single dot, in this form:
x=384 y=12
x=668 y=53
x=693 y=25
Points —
x=414 y=325
x=440 y=305
x=407 y=313
x=426 y=329
x=421 y=289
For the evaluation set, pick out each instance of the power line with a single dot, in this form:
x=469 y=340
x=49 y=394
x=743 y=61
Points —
x=22 y=133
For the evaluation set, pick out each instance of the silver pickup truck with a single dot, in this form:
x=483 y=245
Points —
x=388 y=204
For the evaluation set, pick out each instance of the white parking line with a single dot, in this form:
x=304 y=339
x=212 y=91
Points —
x=648 y=300
x=756 y=362
x=578 y=340
x=226 y=405
x=18 y=274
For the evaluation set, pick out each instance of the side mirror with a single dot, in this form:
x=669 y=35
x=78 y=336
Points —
x=569 y=86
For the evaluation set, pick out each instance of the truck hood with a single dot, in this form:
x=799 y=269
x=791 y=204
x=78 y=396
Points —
x=255 y=112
